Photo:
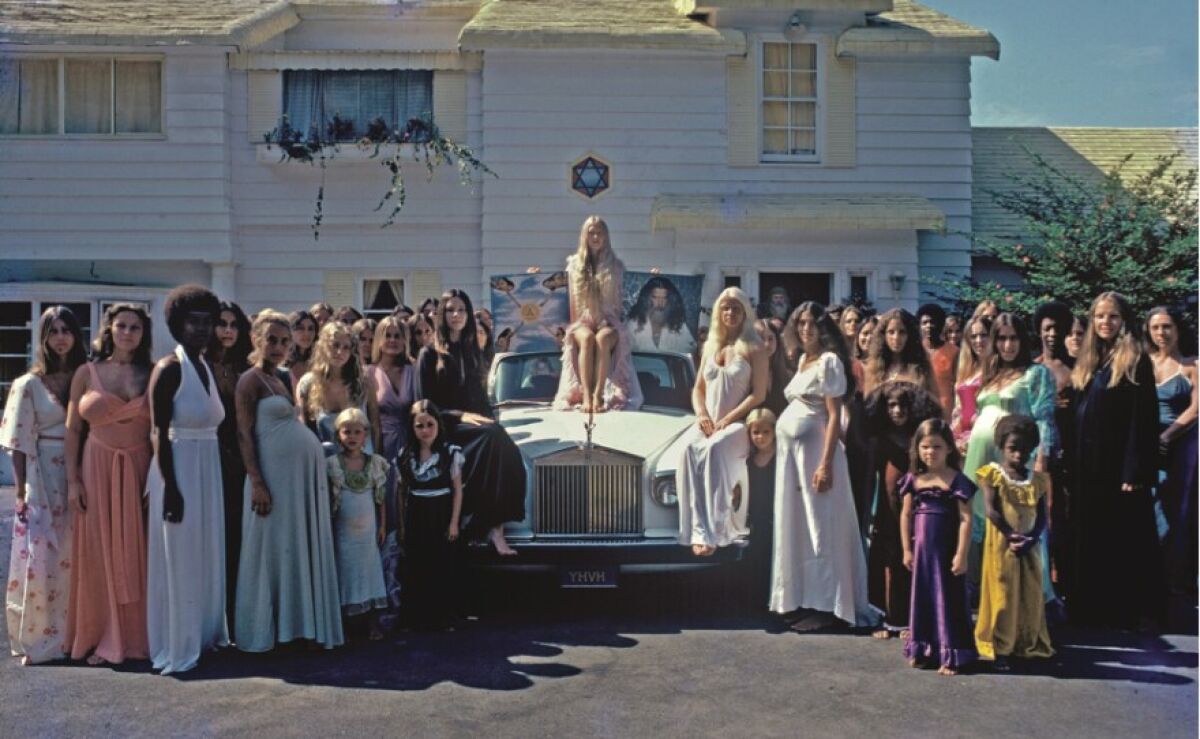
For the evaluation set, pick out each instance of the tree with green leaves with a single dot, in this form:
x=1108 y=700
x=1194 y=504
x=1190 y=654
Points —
x=1135 y=235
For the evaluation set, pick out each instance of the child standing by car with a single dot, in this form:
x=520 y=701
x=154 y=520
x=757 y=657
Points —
x=431 y=477
x=935 y=530
x=358 y=484
x=1012 y=616
x=760 y=483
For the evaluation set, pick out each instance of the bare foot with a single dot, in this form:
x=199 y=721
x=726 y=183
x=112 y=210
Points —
x=947 y=670
x=586 y=406
x=598 y=404
x=501 y=545
x=904 y=634
x=25 y=661
x=96 y=660
x=914 y=663
x=703 y=550
x=881 y=634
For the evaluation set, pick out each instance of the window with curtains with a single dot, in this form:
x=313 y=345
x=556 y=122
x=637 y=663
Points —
x=74 y=95
x=789 y=101
x=313 y=97
x=381 y=297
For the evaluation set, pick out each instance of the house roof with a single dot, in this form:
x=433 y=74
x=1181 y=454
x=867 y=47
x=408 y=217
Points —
x=999 y=158
x=138 y=22
x=796 y=212
x=912 y=28
x=624 y=24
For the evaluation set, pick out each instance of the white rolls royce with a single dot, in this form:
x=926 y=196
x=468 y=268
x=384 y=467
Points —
x=601 y=489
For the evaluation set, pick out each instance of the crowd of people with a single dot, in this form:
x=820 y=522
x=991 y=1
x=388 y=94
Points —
x=928 y=467
x=293 y=477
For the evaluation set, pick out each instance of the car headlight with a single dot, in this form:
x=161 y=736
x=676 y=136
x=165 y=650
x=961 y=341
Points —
x=663 y=490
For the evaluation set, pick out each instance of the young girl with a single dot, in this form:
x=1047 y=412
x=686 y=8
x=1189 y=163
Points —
x=596 y=340
x=1012 y=616
x=760 y=483
x=935 y=531
x=358 y=486
x=893 y=413
x=431 y=477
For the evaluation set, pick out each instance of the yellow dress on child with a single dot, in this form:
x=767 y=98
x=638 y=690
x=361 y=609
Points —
x=1012 y=615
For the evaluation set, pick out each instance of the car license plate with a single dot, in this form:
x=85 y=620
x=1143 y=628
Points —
x=589 y=577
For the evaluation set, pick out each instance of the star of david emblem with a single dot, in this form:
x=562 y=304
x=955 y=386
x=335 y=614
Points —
x=590 y=176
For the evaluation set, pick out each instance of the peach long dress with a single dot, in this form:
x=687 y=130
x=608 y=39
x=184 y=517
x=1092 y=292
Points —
x=108 y=581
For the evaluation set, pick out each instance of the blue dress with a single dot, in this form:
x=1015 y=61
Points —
x=1175 y=494
x=287 y=578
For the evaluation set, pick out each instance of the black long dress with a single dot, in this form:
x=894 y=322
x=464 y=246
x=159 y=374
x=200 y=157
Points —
x=1117 y=577
x=494 y=474
x=233 y=480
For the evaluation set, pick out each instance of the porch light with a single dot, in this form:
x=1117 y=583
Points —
x=897 y=279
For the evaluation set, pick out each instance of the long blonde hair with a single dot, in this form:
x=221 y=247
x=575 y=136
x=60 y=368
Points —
x=1124 y=352
x=322 y=373
x=398 y=323
x=969 y=363
x=747 y=340
x=594 y=282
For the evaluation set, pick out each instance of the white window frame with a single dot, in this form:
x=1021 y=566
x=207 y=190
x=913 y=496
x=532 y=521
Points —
x=362 y=286
x=62 y=97
x=870 y=276
x=819 y=102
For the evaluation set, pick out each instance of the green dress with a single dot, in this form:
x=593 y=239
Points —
x=287 y=578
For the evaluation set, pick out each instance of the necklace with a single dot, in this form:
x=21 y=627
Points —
x=356 y=479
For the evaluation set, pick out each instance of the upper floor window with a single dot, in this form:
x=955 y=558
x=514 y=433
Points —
x=789 y=101
x=313 y=97
x=50 y=96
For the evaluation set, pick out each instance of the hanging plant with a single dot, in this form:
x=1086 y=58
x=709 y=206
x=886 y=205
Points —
x=429 y=149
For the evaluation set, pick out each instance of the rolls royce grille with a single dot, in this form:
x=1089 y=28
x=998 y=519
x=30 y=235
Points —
x=588 y=493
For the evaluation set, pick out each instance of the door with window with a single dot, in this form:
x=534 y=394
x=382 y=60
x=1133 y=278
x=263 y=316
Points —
x=781 y=292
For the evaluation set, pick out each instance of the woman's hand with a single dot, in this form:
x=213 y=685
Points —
x=722 y=423
x=77 y=496
x=260 y=499
x=958 y=565
x=822 y=478
x=1130 y=487
x=908 y=559
x=706 y=425
x=380 y=536
x=172 y=503
x=21 y=509
x=452 y=531
x=475 y=419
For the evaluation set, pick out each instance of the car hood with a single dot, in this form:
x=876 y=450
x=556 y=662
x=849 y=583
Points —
x=541 y=430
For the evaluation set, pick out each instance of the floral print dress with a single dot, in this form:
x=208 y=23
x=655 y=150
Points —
x=34 y=424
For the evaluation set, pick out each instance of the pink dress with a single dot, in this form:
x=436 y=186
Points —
x=108 y=581
x=965 y=410
x=622 y=391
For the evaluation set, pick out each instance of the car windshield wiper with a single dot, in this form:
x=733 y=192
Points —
x=516 y=401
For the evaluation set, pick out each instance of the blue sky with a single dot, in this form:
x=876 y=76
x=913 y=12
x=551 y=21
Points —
x=1076 y=63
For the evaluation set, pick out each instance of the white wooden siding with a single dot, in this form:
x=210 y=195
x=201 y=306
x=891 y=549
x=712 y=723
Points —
x=101 y=199
x=666 y=133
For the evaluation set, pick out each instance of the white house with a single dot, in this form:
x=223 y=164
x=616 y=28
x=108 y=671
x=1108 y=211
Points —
x=823 y=145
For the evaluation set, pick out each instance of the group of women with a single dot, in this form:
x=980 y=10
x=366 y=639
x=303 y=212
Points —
x=1112 y=396
x=168 y=508
x=165 y=509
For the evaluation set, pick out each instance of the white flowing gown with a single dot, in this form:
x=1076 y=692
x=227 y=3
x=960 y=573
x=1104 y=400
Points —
x=185 y=598
x=711 y=466
x=818 y=561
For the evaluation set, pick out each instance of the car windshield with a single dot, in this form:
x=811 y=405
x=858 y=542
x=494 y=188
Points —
x=666 y=379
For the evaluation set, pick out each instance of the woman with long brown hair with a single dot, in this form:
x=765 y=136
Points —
x=1117 y=569
x=896 y=353
x=110 y=408
x=1011 y=383
x=450 y=373
x=1175 y=378
x=304 y=337
x=33 y=429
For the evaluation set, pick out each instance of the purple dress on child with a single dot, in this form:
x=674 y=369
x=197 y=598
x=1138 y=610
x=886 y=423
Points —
x=939 y=621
